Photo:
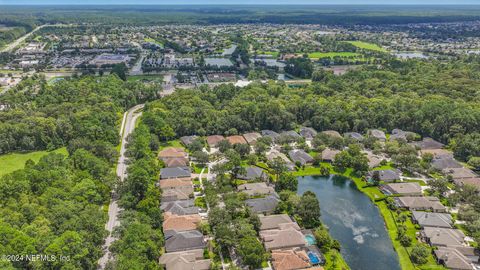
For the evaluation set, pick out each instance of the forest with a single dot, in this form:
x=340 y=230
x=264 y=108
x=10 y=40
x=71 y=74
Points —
x=57 y=206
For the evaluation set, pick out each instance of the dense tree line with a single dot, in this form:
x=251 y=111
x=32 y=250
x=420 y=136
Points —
x=43 y=116
x=54 y=207
x=435 y=99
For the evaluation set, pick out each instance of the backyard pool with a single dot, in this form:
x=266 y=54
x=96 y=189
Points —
x=310 y=239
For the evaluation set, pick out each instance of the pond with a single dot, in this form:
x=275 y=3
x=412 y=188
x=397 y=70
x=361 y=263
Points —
x=354 y=221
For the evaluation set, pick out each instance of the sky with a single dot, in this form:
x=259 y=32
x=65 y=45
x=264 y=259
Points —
x=239 y=2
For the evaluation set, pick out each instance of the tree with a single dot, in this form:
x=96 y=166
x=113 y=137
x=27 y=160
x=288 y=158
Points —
x=224 y=145
x=251 y=251
x=439 y=186
x=286 y=181
x=323 y=238
x=120 y=70
x=475 y=163
x=277 y=165
x=419 y=254
x=308 y=210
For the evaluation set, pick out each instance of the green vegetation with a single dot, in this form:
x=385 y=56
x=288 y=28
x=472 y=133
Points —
x=318 y=55
x=16 y=161
x=367 y=46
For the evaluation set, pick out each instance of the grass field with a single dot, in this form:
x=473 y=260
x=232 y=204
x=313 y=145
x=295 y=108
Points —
x=153 y=77
x=318 y=55
x=153 y=41
x=274 y=54
x=367 y=46
x=16 y=161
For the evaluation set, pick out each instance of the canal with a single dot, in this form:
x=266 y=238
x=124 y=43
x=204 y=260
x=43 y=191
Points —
x=354 y=221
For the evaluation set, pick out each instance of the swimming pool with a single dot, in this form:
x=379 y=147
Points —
x=310 y=239
x=313 y=258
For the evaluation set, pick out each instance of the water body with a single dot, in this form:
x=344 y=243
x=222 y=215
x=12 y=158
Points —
x=354 y=221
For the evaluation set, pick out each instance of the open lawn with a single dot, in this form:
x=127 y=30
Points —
x=174 y=143
x=318 y=55
x=335 y=261
x=274 y=54
x=149 y=78
x=367 y=46
x=16 y=161
x=153 y=41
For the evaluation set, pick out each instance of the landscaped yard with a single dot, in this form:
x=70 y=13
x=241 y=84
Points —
x=152 y=77
x=318 y=55
x=367 y=46
x=16 y=161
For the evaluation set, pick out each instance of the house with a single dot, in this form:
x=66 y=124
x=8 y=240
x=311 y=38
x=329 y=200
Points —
x=213 y=140
x=398 y=134
x=403 y=189
x=266 y=205
x=175 y=172
x=176 y=162
x=445 y=163
x=468 y=181
x=275 y=221
x=428 y=219
x=172 y=152
x=185 y=260
x=177 y=194
x=332 y=133
x=270 y=133
x=180 y=223
x=299 y=156
x=354 y=135
x=437 y=153
x=458 y=173
x=175 y=182
x=444 y=237
x=307 y=132
x=253 y=173
x=182 y=241
x=288 y=237
x=273 y=154
x=290 y=259
x=291 y=133
x=253 y=189
x=236 y=139
x=429 y=143
x=252 y=137
x=373 y=160
x=329 y=154
x=185 y=207
x=386 y=175
x=188 y=140
x=377 y=134
x=453 y=259
x=420 y=203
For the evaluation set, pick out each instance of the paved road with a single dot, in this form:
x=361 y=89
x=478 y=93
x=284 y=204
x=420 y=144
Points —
x=128 y=125
x=10 y=47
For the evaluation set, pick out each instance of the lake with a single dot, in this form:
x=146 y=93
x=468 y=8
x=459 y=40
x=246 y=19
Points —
x=354 y=221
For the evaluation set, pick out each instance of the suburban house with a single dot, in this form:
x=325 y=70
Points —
x=188 y=140
x=273 y=221
x=307 y=132
x=377 y=134
x=475 y=181
x=180 y=222
x=172 y=152
x=266 y=205
x=437 y=153
x=270 y=133
x=354 y=135
x=453 y=259
x=386 y=175
x=403 y=189
x=253 y=173
x=329 y=154
x=420 y=203
x=185 y=207
x=458 y=173
x=373 y=160
x=213 y=140
x=236 y=139
x=182 y=241
x=175 y=182
x=445 y=163
x=443 y=237
x=185 y=260
x=273 y=154
x=300 y=156
x=429 y=143
x=288 y=236
x=252 y=137
x=253 y=189
x=290 y=259
x=398 y=134
x=177 y=194
x=176 y=162
x=332 y=133
x=291 y=133
x=175 y=172
x=429 y=219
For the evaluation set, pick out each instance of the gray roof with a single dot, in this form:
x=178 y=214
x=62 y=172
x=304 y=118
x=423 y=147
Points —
x=263 y=205
x=273 y=221
x=185 y=207
x=298 y=155
x=252 y=173
x=445 y=163
x=453 y=259
x=270 y=133
x=420 y=203
x=176 y=172
x=429 y=219
x=377 y=134
x=429 y=143
x=387 y=175
x=291 y=133
x=354 y=135
x=307 y=132
x=398 y=134
x=187 y=140
x=404 y=188
x=186 y=240
x=444 y=236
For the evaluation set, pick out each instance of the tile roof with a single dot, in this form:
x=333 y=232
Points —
x=236 y=139
x=185 y=260
x=273 y=221
x=420 y=203
x=290 y=259
x=180 y=222
x=172 y=152
x=252 y=137
x=213 y=140
x=453 y=259
x=175 y=182
x=282 y=238
x=428 y=219
x=404 y=188
x=256 y=189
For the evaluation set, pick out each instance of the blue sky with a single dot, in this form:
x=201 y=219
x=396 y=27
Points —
x=233 y=2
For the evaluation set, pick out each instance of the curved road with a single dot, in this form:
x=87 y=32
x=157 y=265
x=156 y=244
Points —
x=128 y=125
